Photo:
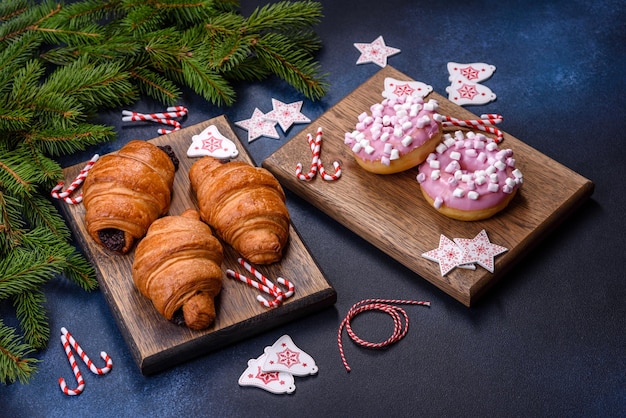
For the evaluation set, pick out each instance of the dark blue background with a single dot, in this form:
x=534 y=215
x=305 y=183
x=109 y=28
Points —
x=548 y=340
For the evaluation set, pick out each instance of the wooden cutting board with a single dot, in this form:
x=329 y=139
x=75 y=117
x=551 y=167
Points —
x=157 y=344
x=390 y=212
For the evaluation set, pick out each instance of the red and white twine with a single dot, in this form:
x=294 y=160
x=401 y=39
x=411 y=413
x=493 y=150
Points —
x=316 y=163
x=66 y=195
x=265 y=285
x=400 y=327
x=485 y=123
x=70 y=343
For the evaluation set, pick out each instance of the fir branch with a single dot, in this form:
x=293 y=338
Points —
x=284 y=16
x=14 y=361
x=11 y=223
x=12 y=8
x=292 y=65
x=208 y=84
x=30 y=310
x=59 y=140
x=97 y=85
x=156 y=85
x=24 y=271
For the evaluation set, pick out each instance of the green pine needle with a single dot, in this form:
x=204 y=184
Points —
x=15 y=365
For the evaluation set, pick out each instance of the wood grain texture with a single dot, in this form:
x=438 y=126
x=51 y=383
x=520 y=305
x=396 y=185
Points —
x=157 y=344
x=390 y=212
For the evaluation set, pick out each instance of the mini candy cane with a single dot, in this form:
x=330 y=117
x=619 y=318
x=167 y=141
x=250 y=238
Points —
x=316 y=163
x=485 y=123
x=400 y=329
x=165 y=118
x=56 y=191
x=85 y=358
x=315 y=149
x=265 y=285
x=79 y=378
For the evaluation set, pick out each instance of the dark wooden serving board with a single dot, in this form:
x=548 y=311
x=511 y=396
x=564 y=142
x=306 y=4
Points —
x=157 y=344
x=390 y=212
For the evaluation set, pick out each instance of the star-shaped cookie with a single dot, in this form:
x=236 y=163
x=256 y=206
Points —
x=479 y=250
x=258 y=126
x=286 y=114
x=376 y=52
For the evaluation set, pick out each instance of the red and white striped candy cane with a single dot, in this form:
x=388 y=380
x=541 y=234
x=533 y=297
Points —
x=485 y=123
x=166 y=118
x=259 y=286
x=85 y=358
x=265 y=285
x=315 y=149
x=79 y=378
x=316 y=163
x=320 y=165
x=56 y=191
x=400 y=328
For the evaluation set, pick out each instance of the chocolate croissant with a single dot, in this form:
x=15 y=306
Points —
x=125 y=192
x=245 y=206
x=177 y=266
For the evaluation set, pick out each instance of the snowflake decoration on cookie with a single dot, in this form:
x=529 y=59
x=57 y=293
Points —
x=376 y=52
x=480 y=250
x=258 y=126
x=469 y=72
x=449 y=255
x=288 y=357
x=211 y=142
x=286 y=114
x=266 y=378
x=467 y=91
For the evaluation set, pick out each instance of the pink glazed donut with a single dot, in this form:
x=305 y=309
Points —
x=397 y=135
x=468 y=178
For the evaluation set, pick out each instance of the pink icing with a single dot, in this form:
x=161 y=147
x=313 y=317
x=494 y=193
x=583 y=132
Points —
x=469 y=172
x=396 y=126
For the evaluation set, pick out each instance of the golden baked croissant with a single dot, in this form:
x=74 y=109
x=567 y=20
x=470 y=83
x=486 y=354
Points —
x=245 y=205
x=125 y=192
x=177 y=266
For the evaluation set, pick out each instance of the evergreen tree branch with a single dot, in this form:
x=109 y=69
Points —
x=14 y=361
x=30 y=310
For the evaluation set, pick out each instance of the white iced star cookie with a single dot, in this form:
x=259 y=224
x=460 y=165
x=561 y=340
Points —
x=286 y=114
x=212 y=143
x=480 y=250
x=376 y=52
x=258 y=126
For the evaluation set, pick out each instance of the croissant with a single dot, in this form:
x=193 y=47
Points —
x=125 y=192
x=177 y=266
x=245 y=205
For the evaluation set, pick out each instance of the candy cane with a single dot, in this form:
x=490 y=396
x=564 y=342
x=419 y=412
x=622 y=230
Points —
x=79 y=378
x=165 y=118
x=315 y=149
x=56 y=191
x=316 y=163
x=265 y=284
x=85 y=358
x=400 y=328
x=485 y=123
x=257 y=285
